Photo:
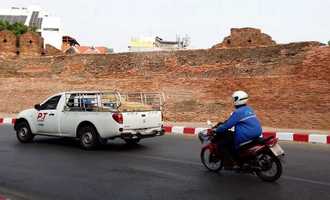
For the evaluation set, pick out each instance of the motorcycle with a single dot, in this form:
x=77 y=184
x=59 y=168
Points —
x=262 y=156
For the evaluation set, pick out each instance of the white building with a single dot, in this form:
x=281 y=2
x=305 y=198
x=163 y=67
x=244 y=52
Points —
x=157 y=44
x=48 y=26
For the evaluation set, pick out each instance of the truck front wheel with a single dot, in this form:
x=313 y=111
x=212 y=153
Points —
x=23 y=132
x=88 y=137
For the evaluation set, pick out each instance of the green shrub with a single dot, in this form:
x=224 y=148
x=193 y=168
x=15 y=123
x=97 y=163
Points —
x=17 y=28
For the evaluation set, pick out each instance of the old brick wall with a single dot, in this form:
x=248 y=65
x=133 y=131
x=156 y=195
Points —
x=30 y=44
x=52 y=51
x=288 y=84
x=8 y=44
x=246 y=37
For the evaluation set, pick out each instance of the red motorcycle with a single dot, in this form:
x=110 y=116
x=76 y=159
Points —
x=262 y=156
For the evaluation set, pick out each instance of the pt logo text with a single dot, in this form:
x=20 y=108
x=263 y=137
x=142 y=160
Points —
x=41 y=116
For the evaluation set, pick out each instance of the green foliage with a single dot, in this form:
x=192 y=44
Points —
x=329 y=42
x=17 y=28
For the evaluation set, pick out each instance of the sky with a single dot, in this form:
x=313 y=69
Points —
x=112 y=23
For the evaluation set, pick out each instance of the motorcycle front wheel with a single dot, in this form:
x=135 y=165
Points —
x=210 y=160
x=271 y=167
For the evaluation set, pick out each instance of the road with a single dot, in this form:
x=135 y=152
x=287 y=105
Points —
x=166 y=167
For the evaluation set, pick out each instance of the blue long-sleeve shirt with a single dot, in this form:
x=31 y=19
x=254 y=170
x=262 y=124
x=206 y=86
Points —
x=246 y=123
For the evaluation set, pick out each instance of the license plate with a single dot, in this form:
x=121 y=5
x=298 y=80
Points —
x=277 y=150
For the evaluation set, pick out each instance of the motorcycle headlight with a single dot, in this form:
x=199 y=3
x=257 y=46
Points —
x=202 y=136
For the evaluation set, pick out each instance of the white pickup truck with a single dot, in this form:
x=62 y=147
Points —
x=93 y=117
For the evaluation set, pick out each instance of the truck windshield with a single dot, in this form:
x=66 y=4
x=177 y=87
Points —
x=51 y=104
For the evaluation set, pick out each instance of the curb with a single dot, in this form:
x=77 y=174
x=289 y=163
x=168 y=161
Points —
x=7 y=121
x=285 y=136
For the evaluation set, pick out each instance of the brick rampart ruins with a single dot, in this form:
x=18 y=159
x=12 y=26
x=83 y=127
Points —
x=29 y=44
x=289 y=84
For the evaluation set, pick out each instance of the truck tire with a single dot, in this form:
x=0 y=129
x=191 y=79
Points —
x=23 y=132
x=88 y=137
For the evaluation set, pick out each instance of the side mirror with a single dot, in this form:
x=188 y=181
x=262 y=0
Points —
x=37 y=106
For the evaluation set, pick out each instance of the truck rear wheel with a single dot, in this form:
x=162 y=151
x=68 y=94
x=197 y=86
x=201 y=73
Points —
x=23 y=132
x=88 y=137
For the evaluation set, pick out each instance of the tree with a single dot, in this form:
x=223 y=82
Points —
x=329 y=42
x=17 y=28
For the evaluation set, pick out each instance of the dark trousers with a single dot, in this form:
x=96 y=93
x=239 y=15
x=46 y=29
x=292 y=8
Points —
x=226 y=145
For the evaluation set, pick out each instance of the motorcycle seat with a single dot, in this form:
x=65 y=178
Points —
x=250 y=143
x=258 y=140
x=245 y=143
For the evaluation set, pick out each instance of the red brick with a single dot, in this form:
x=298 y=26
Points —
x=288 y=84
x=31 y=44
x=8 y=43
x=52 y=51
x=246 y=37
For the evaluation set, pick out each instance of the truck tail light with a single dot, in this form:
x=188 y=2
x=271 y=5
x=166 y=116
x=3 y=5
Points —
x=118 y=117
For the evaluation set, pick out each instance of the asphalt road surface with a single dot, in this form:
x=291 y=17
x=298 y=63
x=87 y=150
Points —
x=166 y=167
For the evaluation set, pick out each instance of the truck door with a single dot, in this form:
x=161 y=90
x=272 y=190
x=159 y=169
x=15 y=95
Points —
x=48 y=117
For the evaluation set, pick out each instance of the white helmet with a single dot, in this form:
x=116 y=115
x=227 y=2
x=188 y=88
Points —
x=240 y=98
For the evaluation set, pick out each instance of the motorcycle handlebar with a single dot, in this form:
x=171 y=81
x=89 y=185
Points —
x=218 y=124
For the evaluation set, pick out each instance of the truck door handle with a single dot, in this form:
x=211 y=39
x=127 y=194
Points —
x=143 y=115
x=51 y=114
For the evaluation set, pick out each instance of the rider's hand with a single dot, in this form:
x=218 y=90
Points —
x=217 y=125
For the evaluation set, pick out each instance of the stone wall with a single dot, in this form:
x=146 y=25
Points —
x=246 y=37
x=30 y=44
x=289 y=85
x=8 y=44
x=52 y=51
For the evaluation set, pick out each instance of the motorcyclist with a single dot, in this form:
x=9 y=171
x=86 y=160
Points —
x=245 y=123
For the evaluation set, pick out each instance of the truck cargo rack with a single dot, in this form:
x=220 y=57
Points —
x=99 y=101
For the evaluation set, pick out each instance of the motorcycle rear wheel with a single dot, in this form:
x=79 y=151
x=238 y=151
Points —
x=271 y=167
x=210 y=160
